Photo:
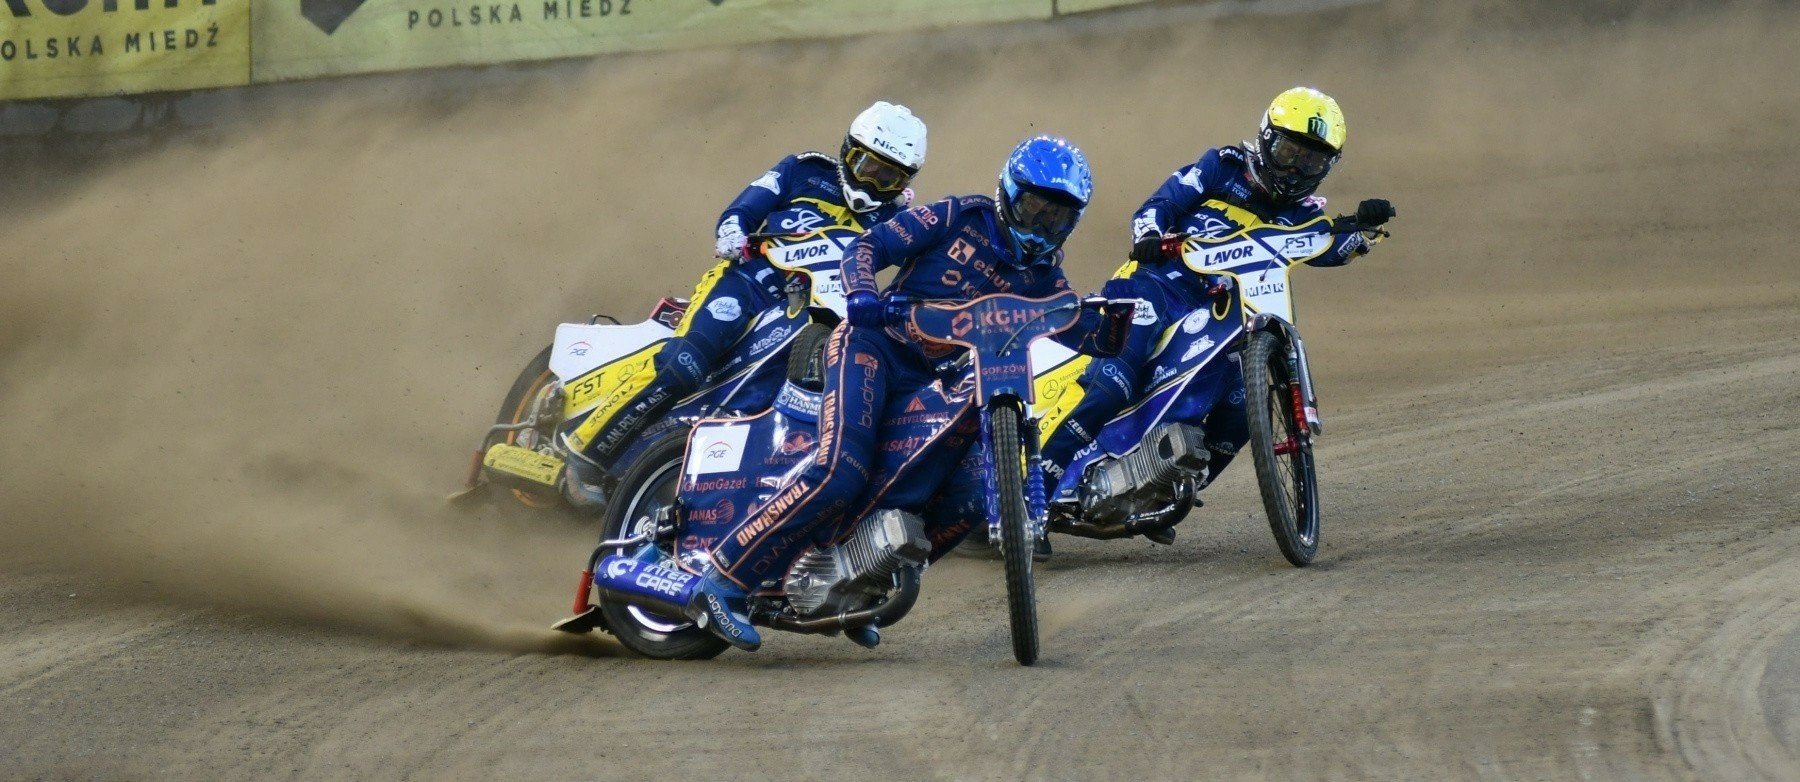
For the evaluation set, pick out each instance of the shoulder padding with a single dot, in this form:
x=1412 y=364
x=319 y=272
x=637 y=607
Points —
x=964 y=203
x=816 y=157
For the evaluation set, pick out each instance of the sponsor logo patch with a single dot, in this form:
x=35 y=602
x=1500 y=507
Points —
x=1201 y=345
x=798 y=401
x=771 y=340
x=717 y=449
x=1144 y=314
x=1194 y=322
x=662 y=580
x=725 y=308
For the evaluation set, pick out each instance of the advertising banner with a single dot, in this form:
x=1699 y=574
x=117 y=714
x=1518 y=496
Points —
x=78 y=48
x=305 y=38
x=75 y=48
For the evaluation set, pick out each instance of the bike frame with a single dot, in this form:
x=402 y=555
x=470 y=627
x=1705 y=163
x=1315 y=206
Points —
x=998 y=331
x=1258 y=261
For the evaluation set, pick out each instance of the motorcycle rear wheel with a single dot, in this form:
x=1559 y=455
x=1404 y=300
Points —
x=650 y=482
x=1289 y=483
x=1016 y=541
x=532 y=381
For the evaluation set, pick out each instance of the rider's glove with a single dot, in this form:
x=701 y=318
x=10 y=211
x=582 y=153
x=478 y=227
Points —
x=864 y=309
x=1374 y=212
x=731 y=242
x=1148 y=249
x=1120 y=312
x=1118 y=288
x=1217 y=284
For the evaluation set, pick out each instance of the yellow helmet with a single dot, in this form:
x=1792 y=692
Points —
x=1302 y=136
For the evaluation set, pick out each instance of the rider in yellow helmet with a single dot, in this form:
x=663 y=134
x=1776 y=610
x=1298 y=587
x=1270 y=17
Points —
x=1270 y=180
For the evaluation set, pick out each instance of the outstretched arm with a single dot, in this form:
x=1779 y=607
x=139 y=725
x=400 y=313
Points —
x=1359 y=234
x=896 y=242
x=753 y=206
x=1181 y=194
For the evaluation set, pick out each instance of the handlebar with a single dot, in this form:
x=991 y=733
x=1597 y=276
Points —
x=766 y=236
x=753 y=242
x=1340 y=225
x=897 y=307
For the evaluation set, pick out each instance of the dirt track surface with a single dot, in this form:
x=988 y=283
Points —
x=1560 y=472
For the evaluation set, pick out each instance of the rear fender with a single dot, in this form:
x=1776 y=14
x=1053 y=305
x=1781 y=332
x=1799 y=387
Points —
x=731 y=465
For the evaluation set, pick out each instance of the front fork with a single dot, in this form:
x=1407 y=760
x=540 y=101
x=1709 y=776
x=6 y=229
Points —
x=1036 y=502
x=1301 y=401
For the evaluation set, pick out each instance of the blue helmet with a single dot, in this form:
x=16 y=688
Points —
x=1044 y=188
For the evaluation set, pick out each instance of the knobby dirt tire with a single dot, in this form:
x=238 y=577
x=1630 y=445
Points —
x=644 y=482
x=1015 y=532
x=513 y=408
x=1290 y=486
x=806 y=357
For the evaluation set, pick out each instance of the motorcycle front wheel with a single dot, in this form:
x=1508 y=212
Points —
x=1016 y=543
x=1281 y=448
x=648 y=485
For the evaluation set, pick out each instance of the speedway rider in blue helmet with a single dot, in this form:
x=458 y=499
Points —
x=865 y=184
x=960 y=248
x=1229 y=189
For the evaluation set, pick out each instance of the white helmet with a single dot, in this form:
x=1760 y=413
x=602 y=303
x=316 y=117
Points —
x=883 y=150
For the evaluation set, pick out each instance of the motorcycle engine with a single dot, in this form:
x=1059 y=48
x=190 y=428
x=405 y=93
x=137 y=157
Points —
x=852 y=574
x=1145 y=480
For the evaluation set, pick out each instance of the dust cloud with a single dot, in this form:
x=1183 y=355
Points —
x=242 y=374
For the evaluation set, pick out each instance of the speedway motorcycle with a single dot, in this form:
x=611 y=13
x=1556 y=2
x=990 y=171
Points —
x=578 y=383
x=1143 y=471
x=959 y=449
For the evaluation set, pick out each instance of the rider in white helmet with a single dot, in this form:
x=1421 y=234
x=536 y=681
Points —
x=862 y=186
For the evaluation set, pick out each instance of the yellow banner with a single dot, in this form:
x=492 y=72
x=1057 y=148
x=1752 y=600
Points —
x=74 y=48
x=1084 y=6
x=305 y=38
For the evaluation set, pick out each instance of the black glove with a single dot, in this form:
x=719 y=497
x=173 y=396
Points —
x=1148 y=250
x=1373 y=212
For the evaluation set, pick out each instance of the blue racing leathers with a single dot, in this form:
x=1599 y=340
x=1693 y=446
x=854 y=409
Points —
x=801 y=193
x=1215 y=197
x=954 y=249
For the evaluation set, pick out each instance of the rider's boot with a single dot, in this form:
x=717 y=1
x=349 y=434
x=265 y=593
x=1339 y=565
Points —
x=867 y=636
x=723 y=608
x=581 y=478
x=1166 y=535
x=1040 y=550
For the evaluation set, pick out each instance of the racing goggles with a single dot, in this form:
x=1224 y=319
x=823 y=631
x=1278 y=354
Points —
x=1042 y=215
x=879 y=173
x=1292 y=155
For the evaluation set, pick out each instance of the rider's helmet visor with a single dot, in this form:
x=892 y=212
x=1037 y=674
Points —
x=1042 y=214
x=878 y=173
x=1291 y=155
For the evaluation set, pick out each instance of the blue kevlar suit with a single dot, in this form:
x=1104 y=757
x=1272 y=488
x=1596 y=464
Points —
x=952 y=249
